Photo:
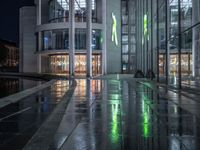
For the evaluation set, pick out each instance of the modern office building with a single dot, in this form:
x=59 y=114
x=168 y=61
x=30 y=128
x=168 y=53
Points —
x=112 y=36
x=76 y=37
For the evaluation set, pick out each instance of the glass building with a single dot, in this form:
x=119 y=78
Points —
x=71 y=37
x=162 y=36
x=113 y=36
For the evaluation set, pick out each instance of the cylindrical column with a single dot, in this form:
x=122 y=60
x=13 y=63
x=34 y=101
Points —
x=104 y=47
x=179 y=45
x=195 y=37
x=89 y=38
x=71 y=38
x=39 y=12
x=39 y=61
x=39 y=38
x=167 y=41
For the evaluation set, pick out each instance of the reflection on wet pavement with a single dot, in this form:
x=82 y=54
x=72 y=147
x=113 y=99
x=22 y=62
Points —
x=9 y=86
x=127 y=115
x=19 y=121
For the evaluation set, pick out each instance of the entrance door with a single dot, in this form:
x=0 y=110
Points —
x=80 y=64
x=59 y=64
x=96 y=64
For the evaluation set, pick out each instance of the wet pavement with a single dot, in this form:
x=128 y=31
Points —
x=19 y=121
x=104 y=114
x=128 y=115
x=11 y=85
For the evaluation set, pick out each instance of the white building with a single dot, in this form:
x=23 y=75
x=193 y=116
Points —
x=70 y=37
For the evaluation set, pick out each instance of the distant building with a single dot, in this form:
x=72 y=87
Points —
x=12 y=59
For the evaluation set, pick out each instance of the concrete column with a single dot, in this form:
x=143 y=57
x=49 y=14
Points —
x=137 y=36
x=39 y=59
x=104 y=46
x=39 y=12
x=89 y=38
x=195 y=38
x=71 y=38
x=39 y=22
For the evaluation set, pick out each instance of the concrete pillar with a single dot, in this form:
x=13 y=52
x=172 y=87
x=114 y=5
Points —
x=89 y=38
x=39 y=12
x=71 y=38
x=39 y=61
x=104 y=46
x=195 y=38
x=39 y=22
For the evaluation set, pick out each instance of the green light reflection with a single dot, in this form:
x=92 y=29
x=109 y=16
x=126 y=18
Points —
x=114 y=30
x=115 y=96
x=145 y=25
x=146 y=116
x=115 y=127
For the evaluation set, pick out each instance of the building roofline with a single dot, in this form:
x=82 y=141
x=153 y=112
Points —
x=11 y=43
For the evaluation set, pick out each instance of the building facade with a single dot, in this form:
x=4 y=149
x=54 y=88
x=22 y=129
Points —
x=162 y=36
x=112 y=36
x=75 y=37
x=12 y=58
x=168 y=39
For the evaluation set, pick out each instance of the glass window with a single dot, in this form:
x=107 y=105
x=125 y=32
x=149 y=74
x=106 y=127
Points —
x=59 y=10
x=124 y=19
x=125 y=58
x=80 y=39
x=47 y=40
x=125 y=29
x=125 y=38
x=59 y=64
x=80 y=11
x=125 y=49
x=96 y=40
x=186 y=14
x=56 y=39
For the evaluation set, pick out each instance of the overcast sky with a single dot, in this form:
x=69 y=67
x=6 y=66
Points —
x=9 y=18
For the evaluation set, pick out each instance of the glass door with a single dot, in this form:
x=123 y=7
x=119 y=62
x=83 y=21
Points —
x=80 y=64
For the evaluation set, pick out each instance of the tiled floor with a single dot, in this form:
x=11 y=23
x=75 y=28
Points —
x=108 y=114
x=127 y=115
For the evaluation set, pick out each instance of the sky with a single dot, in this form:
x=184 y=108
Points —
x=9 y=18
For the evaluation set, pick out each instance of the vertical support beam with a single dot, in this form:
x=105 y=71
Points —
x=143 y=62
x=166 y=43
x=89 y=38
x=71 y=38
x=39 y=22
x=195 y=37
x=39 y=12
x=179 y=44
x=39 y=61
x=137 y=36
x=104 y=47
x=146 y=12
x=152 y=36
x=129 y=36
x=158 y=70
